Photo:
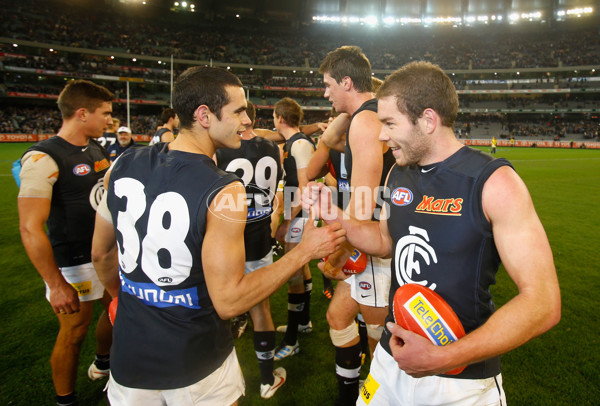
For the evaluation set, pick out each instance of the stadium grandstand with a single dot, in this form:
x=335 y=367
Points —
x=526 y=70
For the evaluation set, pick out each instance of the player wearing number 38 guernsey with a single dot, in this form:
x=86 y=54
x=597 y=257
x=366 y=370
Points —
x=169 y=241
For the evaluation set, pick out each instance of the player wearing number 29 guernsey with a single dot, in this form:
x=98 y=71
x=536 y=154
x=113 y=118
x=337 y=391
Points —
x=153 y=217
x=257 y=163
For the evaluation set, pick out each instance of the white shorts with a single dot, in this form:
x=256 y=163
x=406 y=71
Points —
x=252 y=266
x=388 y=385
x=223 y=387
x=296 y=228
x=84 y=279
x=372 y=286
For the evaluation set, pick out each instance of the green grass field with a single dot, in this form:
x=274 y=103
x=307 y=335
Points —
x=562 y=367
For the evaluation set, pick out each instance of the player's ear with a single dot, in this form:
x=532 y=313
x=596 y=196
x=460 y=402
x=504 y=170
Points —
x=431 y=120
x=202 y=116
x=347 y=82
x=81 y=114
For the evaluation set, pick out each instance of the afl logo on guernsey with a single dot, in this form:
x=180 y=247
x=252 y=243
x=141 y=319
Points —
x=402 y=196
x=82 y=169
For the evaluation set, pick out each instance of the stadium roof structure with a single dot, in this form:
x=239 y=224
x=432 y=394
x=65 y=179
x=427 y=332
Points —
x=421 y=11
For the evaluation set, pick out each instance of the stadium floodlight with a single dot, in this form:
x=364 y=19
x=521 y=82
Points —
x=354 y=19
x=389 y=20
x=372 y=21
x=410 y=20
x=514 y=17
x=176 y=4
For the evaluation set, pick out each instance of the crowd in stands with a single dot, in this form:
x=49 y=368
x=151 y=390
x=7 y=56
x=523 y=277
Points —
x=29 y=120
x=460 y=50
x=502 y=126
x=45 y=120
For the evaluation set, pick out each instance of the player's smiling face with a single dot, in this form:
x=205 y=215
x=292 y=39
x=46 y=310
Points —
x=226 y=132
x=409 y=144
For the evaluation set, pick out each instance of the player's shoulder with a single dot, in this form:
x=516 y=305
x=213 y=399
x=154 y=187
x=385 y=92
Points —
x=365 y=121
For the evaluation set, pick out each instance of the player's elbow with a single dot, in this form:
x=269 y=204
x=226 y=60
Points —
x=226 y=312
x=551 y=306
x=555 y=311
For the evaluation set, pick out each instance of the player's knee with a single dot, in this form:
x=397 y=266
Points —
x=341 y=337
x=374 y=331
x=73 y=335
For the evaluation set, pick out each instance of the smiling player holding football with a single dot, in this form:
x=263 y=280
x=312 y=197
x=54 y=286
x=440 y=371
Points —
x=453 y=214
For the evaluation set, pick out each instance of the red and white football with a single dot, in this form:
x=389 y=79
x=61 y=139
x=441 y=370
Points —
x=423 y=311
x=356 y=263
x=112 y=309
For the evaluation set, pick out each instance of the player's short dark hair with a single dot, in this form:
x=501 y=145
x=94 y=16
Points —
x=166 y=115
x=82 y=93
x=200 y=86
x=290 y=111
x=422 y=85
x=350 y=61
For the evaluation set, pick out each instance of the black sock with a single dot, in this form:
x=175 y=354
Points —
x=295 y=306
x=102 y=361
x=347 y=368
x=66 y=400
x=364 y=336
x=305 y=317
x=327 y=284
x=264 y=346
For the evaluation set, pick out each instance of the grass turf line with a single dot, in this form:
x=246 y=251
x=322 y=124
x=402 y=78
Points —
x=562 y=367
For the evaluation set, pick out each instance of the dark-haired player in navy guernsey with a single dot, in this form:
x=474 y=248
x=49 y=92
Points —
x=348 y=86
x=61 y=187
x=169 y=241
x=258 y=164
x=297 y=151
x=452 y=215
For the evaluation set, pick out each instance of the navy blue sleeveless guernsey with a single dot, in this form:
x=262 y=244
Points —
x=257 y=163
x=75 y=197
x=167 y=333
x=442 y=239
